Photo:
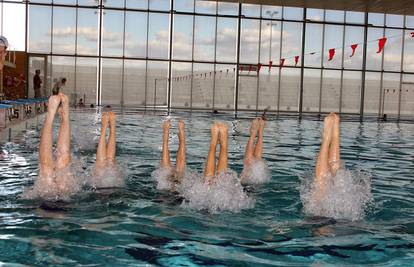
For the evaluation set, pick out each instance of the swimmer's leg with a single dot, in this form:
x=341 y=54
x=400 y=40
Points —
x=111 y=146
x=180 y=164
x=46 y=139
x=322 y=164
x=250 y=149
x=101 y=150
x=63 y=142
x=258 y=150
x=223 y=157
x=210 y=170
x=165 y=160
x=334 y=150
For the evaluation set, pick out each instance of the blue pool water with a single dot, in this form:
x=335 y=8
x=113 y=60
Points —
x=140 y=225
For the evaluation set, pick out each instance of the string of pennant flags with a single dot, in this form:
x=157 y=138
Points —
x=257 y=67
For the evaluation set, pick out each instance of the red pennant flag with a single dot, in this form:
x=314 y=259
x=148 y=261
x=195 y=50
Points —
x=270 y=65
x=282 y=62
x=412 y=34
x=381 y=43
x=296 y=60
x=259 y=66
x=354 y=47
x=331 y=54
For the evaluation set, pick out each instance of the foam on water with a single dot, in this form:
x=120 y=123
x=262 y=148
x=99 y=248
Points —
x=347 y=195
x=256 y=173
x=61 y=186
x=165 y=178
x=225 y=195
x=107 y=177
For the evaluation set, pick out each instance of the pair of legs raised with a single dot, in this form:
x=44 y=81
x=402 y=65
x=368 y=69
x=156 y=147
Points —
x=219 y=133
x=48 y=166
x=179 y=170
x=105 y=153
x=328 y=161
x=254 y=151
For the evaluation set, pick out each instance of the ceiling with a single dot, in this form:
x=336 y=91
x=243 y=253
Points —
x=379 y=6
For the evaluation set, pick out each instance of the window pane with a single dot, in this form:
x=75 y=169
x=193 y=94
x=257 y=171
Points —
x=64 y=67
x=203 y=85
x=351 y=92
x=88 y=25
x=39 y=29
x=183 y=37
x=289 y=89
x=376 y=19
x=204 y=38
x=14 y=16
x=293 y=13
x=333 y=40
x=334 y=16
x=158 y=36
x=226 y=39
x=409 y=22
x=313 y=45
x=390 y=93
x=134 y=82
x=111 y=81
x=228 y=8
x=249 y=46
x=331 y=86
x=64 y=30
x=88 y=2
x=353 y=35
x=64 y=2
x=137 y=4
x=114 y=3
x=136 y=37
x=268 y=88
x=224 y=87
x=374 y=59
x=184 y=5
x=250 y=10
x=408 y=54
x=292 y=42
x=181 y=85
x=314 y=14
x=205 y=7
x=113 y=33
x=394 y=20
x=392 y=50
x=272 y=12
x=247 y=90
x=372 y=92
x=311 y=91
x=407 y=96
x=159 y=4
x=355 y=17
x=86 y=81
x=157 y=84
x=270 y=48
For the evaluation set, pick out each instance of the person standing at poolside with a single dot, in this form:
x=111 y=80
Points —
x=37 y=84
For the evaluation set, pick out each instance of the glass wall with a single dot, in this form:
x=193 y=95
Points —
x=196 y=54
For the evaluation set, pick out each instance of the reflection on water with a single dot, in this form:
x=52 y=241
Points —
x=140 y=224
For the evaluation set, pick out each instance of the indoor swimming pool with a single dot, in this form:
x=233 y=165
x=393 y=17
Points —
x=141 y=225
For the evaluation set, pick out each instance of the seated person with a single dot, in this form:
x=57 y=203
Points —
x=81 y=104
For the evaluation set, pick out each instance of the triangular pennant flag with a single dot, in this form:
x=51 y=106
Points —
x=282 y=62
x=354 y=47
x=259 y=66
x=296 y=60
x=270 y=65
x=331 y=54
x=412 y=34
x=381 y=44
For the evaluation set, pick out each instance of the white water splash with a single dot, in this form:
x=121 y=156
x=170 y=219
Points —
x=107 y=177
x=166 y=181
x=347 y=195
x=256 y=173
x=225 y=195
x=61 y=186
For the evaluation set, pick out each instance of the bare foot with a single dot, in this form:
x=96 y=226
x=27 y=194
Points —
x=166 y=125
x=336 y=125
x=54 y=102
x=327 y=128
x=223 y=132
x=181 y=125
x=254 y=126
x=215 y=130
x=64 y=107
x=112 y=118
x=104 y=120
